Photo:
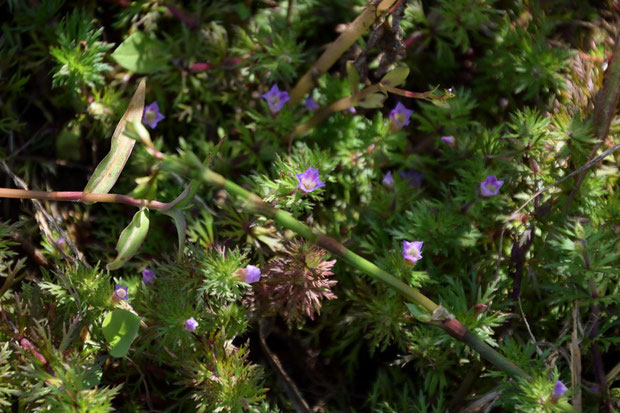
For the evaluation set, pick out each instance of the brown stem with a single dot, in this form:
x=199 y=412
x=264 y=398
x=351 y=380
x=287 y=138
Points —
x=333 y=52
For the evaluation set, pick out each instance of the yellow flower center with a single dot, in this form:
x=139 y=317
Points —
x=149 y=116
x=400 y=117
x=413 y=252
x=308 y=183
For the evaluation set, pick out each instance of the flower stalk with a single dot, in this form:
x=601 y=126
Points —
x=254 y=204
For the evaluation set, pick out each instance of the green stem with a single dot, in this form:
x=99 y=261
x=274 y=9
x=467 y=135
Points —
x=450 y=325
x=333 y=52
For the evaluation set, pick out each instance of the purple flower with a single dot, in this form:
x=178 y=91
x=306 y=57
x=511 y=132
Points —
x=388 y=181
x=559 y=389
x=490 y=186
x=412 y=251
x=415 y=178
x=400 y=114
x=309 y=180
x=448 y=140
x=252 y=274
x=275 y=99
x=191 y=324
x=151 y=115
x=351 y=110
x=61 y=242
x=121 y=292
x=311 y=104
x=148 y=276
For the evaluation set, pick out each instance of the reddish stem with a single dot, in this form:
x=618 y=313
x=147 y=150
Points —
x=78 y=196
x=186 y=19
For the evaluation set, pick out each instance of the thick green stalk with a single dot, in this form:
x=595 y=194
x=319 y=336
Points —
x=254 y=203
x=333 y=52
x=449 y=323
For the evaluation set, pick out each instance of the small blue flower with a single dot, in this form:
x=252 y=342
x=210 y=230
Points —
x=191 y=324
x=309 y=180
x=412 y=251
x=276 y=99
x=121 y=292
x=388 y=180
x=559 y=389
x=400 y=115
x=490 y=186
x=415 y=178
x=311 y=104
x=252 y=274
x=448 y=140
x=148 y=276
x=151 y=115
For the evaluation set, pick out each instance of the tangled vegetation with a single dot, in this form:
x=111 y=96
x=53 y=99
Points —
x=310 y=206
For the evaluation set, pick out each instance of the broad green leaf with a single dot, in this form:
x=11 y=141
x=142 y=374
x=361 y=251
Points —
x=120 y=328
x=131 y=239
x=140 y=53
x=395 y=77
x=109 y=169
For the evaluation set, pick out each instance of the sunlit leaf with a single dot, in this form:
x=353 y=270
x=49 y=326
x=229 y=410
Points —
x=109 y=169
x=141 y=53
x=120 y=328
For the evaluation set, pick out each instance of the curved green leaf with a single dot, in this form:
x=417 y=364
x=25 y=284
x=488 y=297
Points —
x=109 y=169
x=120 y=328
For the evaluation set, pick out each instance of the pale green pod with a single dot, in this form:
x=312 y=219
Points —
x=131 y=239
